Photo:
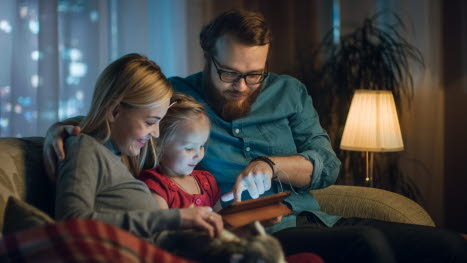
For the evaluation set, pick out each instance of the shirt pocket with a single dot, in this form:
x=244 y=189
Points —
x=279 y=137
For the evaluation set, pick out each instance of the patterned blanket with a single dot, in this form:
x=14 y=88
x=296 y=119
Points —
x=80 y=240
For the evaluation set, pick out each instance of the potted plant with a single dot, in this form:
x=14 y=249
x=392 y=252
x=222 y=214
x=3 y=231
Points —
x=374 y=56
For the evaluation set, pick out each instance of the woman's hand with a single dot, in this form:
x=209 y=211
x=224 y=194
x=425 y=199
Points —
x=53 y=149
x=202 y=218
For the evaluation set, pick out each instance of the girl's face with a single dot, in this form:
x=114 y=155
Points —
x=131 y=128
x=186 y=149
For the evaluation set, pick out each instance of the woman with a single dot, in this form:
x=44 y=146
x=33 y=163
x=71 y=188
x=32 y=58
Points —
x=131 y=96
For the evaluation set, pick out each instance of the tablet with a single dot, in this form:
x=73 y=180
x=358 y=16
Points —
x=259 y=209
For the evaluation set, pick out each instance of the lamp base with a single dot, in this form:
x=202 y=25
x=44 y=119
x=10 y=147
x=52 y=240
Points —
x=369 y=169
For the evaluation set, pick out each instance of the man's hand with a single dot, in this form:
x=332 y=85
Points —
x=202 y=218
x=255 y=178
x=53 y=150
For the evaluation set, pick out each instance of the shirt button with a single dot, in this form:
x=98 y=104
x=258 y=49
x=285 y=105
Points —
x=237 y=130
x=247 y=149
x=198 y=201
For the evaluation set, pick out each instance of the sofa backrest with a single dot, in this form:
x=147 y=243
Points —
x=22 y=174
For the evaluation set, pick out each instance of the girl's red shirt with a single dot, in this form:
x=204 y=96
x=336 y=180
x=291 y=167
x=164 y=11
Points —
x=175 y=196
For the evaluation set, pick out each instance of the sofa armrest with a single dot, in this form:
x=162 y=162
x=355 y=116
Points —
x=365 y=202
x=22 y=174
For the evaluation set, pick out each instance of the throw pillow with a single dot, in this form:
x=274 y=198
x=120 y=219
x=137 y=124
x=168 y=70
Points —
x=20 y=215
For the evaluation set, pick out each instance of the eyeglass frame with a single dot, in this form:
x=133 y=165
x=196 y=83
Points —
x=240 y=76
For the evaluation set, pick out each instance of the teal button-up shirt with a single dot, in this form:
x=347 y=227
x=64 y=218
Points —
x=282 y=122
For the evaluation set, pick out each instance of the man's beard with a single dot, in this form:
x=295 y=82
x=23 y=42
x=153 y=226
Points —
x=228 y=110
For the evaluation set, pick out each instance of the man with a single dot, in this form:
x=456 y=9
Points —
x=266 y=136
x=253 y=115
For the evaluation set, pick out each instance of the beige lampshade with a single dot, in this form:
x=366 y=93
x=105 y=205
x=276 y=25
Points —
x=372 y=124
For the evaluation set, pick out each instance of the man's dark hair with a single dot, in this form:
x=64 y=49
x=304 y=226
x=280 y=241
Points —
x=247 y=27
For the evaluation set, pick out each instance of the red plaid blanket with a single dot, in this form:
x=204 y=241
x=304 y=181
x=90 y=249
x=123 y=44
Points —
x=80 y=240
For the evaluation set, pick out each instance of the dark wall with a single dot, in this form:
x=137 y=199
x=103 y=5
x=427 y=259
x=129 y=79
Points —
x=293 y=24
x=455 y=84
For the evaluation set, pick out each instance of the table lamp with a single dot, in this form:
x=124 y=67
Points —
x=372 y=126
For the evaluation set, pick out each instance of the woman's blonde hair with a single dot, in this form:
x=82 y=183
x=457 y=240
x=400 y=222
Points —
x=131 y=81
x=184 y=108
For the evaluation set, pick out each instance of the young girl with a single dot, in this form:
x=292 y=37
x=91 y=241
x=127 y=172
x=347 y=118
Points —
x=183 y=133
x=175 y=184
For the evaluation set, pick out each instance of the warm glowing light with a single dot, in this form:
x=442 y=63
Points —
x=372 y=124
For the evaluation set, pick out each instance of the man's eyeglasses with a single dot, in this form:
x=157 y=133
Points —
x=232 y=76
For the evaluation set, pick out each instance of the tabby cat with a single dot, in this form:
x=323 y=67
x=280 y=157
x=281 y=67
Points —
x=249 y=244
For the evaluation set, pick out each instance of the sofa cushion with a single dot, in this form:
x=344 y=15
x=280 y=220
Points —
x=19 y=216
x=22 y=174
x=368 y=202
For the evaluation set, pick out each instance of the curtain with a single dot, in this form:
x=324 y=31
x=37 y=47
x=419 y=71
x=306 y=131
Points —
x=52 y=52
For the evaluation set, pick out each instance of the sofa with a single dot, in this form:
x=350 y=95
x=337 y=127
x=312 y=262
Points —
x=22 y=176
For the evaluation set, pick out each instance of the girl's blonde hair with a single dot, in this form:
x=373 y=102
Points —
x=184 y=108
x=130 y=81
